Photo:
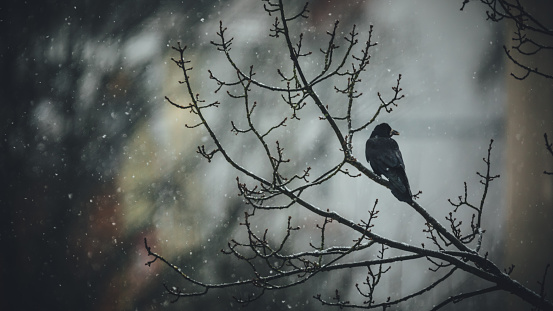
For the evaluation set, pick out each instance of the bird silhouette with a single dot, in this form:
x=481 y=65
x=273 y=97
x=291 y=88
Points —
x=382 y=152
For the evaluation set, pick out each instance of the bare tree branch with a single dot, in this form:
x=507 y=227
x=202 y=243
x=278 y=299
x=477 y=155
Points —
x=530 y=38
x=549 y=148
x=271 y=265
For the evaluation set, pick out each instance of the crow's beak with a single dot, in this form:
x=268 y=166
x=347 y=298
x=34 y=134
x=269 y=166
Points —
x=394 y=132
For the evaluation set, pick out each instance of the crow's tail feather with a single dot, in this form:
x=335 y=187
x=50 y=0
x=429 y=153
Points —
x=400 y=185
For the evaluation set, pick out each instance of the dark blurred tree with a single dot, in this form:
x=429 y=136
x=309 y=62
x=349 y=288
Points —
x=65 y=119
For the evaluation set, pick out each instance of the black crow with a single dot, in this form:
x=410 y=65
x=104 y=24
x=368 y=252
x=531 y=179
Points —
x=383 y=154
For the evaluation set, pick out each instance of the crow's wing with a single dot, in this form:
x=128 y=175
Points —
x=399 y=185
x=385 y=159
x=383 y=154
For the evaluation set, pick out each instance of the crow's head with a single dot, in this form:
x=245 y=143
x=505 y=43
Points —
x=383 y=130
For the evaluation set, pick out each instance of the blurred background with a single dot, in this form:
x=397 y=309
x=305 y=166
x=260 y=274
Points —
x=93 y=159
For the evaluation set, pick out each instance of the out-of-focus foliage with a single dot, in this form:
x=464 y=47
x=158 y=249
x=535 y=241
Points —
x=78 y=79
